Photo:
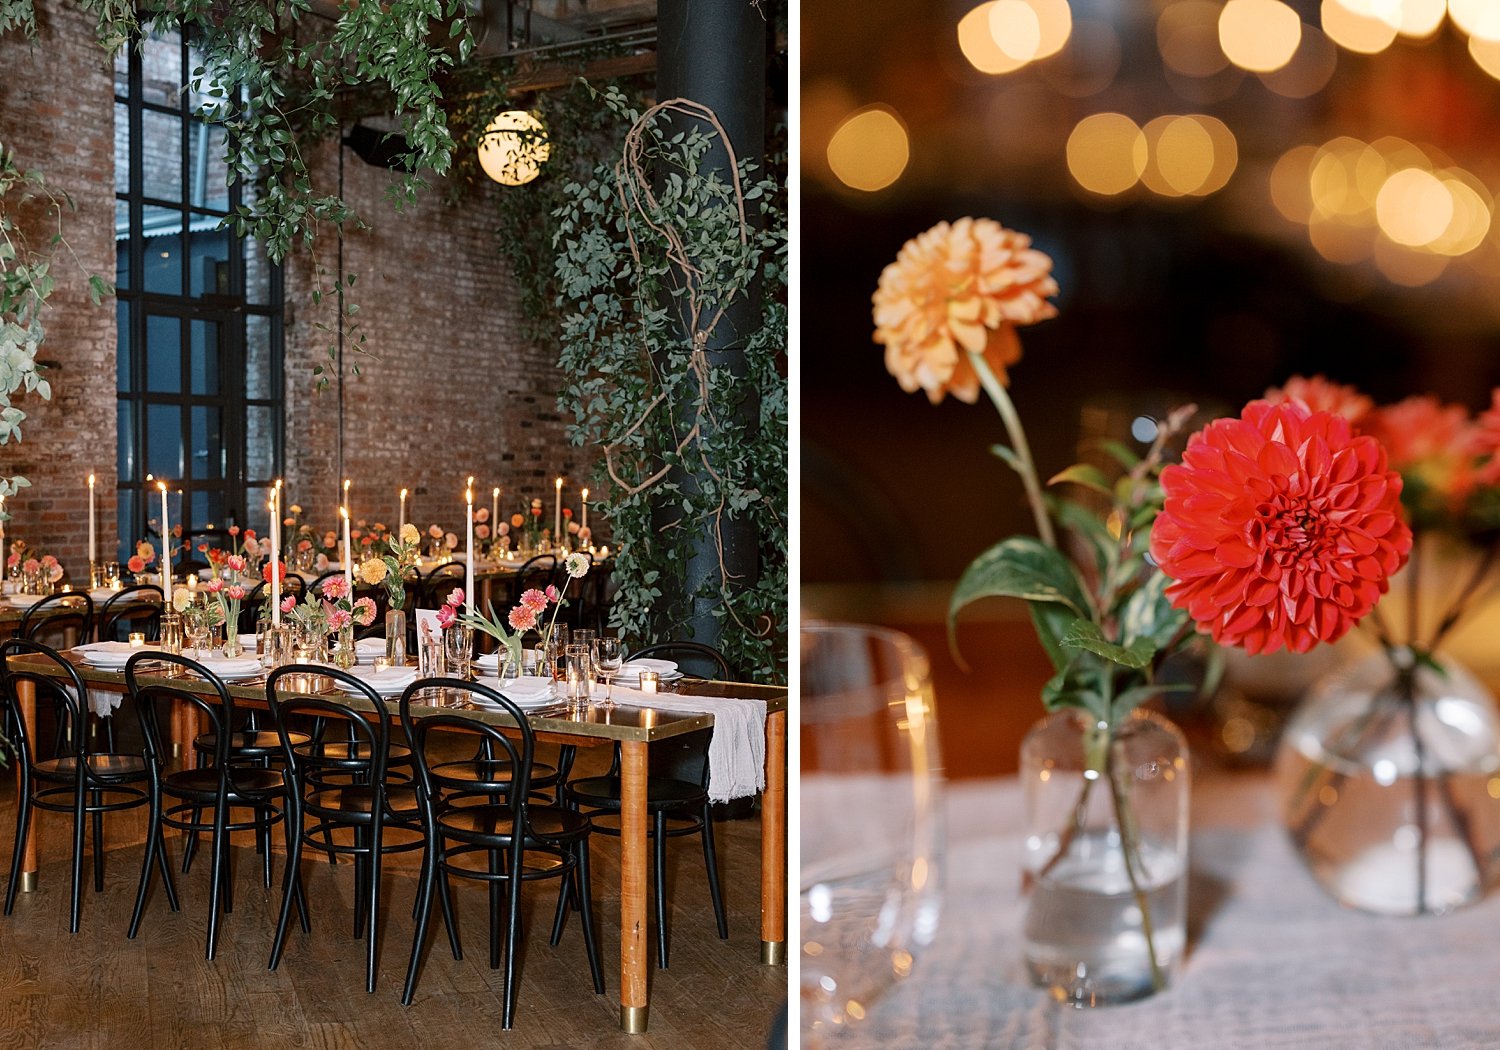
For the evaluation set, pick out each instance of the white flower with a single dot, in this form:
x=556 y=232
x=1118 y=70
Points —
x=181 y=598
x=577 y=565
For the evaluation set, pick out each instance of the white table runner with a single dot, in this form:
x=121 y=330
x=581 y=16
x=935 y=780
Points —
x=737 y=748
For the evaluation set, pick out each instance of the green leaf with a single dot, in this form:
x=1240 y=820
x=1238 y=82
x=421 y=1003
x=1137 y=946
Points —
x=1008 y=454
x=1085 y=474
x=1121 y=453
x=1148 y=614
x=1051 y=622
x=1087 y=635
x=1021 y=567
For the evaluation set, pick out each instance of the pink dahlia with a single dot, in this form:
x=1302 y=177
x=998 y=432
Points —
x=335 y=587
x=522 y=618
x=364 y=612
x=288 y=603
x=534 y=599
x=1280 y=528
x=1319 y=394
x=338 y=619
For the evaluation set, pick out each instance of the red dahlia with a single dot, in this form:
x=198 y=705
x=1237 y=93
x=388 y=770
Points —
x=1280 y=528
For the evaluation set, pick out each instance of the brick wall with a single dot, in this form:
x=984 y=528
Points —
x=449 y=389
x=56 y=114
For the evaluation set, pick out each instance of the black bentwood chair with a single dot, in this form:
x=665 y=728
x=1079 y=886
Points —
x=60 y=620
x=676 y=790
x=221 y=788
x=341 y=786
x=77 y=779
x=520 y=840
x=136 y=608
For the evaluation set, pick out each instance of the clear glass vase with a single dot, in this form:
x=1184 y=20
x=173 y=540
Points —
x=232 y=645
x=395 y=637
x=344 y=655
x=1106 y=856
x=1388 y=775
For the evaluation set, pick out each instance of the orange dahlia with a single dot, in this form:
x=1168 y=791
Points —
x=1280 y=528
x=956 y=288
x=1432 y=445
x=1321 y=395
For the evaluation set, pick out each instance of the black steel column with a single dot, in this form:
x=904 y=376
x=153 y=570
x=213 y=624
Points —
x=713 y=52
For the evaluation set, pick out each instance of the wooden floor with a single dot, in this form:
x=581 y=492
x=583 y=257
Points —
x=96 y=989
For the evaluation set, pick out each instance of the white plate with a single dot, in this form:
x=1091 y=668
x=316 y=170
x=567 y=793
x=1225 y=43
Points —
x=388 y=683
x=544 y=698
x=239 y=668
x=22 y=601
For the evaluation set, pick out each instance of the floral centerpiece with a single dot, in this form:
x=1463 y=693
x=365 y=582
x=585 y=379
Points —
x=528 y=615
x=229 y=593
x=33 y=572
x=388 y=568
x=334 y=610
x=144 y=557
x=1387 y=763
x=200 y=615
x=1239 y=542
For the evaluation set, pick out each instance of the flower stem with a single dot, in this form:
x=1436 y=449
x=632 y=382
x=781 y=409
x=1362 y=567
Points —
x=1012 y=421
x=1130 y=848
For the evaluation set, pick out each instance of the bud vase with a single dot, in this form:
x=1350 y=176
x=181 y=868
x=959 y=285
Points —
x=1389 y=774
x=395 y=637
x=170 y=638
x=344 y=656
x=232 y=646
x=1106 y=856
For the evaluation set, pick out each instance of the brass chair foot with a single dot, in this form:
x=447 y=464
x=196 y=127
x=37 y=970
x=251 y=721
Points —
x=773 y=953
x=633 y=1018
x=28 y=882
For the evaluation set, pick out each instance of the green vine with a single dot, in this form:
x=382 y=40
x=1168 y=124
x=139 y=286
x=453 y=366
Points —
x=651 y=253
x=26 y=282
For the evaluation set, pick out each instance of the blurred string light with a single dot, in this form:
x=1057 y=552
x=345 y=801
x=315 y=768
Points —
x=1172 y=156
x=1001 y=36
x=1259 y=35
x=870 y=149
x=1478 y=18
x=1388 y=201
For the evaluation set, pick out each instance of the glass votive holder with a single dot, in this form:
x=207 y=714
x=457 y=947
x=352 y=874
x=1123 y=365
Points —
x=382 y=663
x=137 y=639
x=576 y=675
x=650 y=682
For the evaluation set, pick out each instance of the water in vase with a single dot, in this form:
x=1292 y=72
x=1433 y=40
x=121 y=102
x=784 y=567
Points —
x=1085 y=936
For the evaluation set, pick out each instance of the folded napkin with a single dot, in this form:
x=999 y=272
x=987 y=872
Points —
x=388 y=681
x=633 y=668
x=737 y=748
x=373 y=646
x=526 y=689
x=239 y=667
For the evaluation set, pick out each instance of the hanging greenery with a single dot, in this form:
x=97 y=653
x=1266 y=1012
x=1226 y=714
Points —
x=651 y=251
x=26 y=282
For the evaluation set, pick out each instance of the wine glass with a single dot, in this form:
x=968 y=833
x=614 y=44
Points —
x=872 y=836
x=609 y=657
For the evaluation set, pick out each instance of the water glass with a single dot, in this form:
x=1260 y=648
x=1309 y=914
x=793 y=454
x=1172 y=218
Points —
x=870 y=887
x=557 y=652
x=459 y=641
x=431 y=657
x=585 y=638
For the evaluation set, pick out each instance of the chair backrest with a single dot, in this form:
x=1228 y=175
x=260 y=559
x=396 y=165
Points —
x=493 y=742
x=63 y=696
x=434 y=588
x=138 y=608
x=250 y=607
x=54 y=616
x=692 y=658
x=537 y=574
x=367 y=725
x=217 y=707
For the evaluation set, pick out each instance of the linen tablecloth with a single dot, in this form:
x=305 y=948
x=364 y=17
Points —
x=1273 y=962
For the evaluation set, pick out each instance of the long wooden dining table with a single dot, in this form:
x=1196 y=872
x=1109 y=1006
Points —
x=635 y=729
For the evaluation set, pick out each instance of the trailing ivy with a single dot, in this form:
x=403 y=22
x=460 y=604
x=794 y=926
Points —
x=646 y=247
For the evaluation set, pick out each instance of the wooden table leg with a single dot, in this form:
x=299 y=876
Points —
x=635 y=955
x=26 y=695
x=773 y=845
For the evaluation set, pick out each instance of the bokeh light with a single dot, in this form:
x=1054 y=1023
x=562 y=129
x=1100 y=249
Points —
x=1259 y=35
x=1291 y=184
x=1107 y=153
x=1309 y=70
x=1361 y=33
x=1015 y=29
x=978 y=44
x=870 y=149
x=1089 y=62
x=1187 y=35
x=1406 y=267
x=1479 y=18
x=1486 y=55
x=1421 y=18
x=1414 y=207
